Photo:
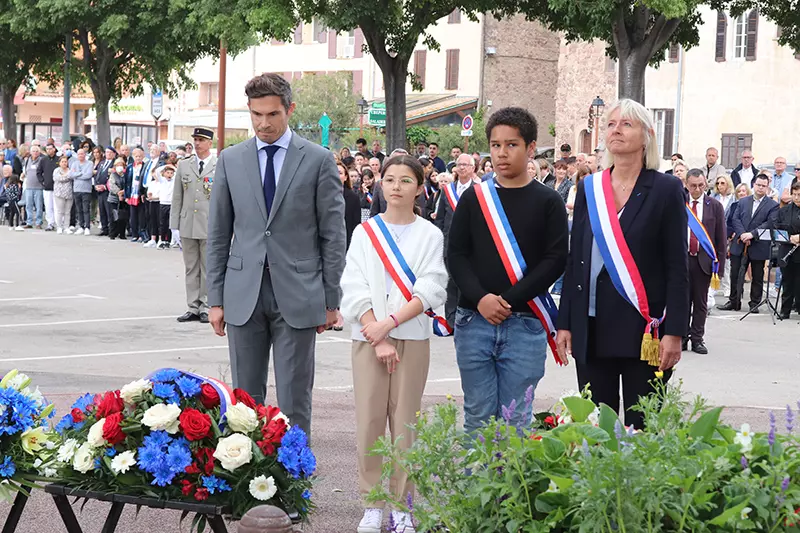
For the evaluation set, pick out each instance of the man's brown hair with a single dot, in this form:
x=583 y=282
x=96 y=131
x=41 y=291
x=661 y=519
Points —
x=270 y=84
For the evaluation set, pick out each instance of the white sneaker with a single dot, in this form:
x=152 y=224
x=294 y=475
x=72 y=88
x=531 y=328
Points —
x=71 y=229
x=11 y=228
x=402 y=523
x=19 y=228
x=59 y=231
x=87 y=232
x=68 y=231
x=149 y=244
x=371 y=522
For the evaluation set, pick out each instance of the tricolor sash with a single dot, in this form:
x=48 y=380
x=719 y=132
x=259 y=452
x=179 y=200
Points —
x=226 y=397
x=451 y=193
x=618 y=259
x=397 y=267
x=704 y=239
x=543 y=305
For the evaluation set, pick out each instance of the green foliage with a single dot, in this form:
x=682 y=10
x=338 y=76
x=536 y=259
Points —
x=331 y=93
x=551 y=129
x=785 y=13
x=578 y=469
x=417 y=134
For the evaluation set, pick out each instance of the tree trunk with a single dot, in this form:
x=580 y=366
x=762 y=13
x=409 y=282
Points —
x=9 y=114
x=101 y=100
x=394 y=82
x=631 y=76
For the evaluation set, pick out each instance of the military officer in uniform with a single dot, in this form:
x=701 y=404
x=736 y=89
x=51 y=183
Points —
x=190 y=201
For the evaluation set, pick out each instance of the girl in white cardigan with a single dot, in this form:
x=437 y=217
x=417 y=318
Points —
x=390 y=330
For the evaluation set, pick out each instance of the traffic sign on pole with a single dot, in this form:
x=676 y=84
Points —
x=377 y=115
x=466 y=124
x=157 y=104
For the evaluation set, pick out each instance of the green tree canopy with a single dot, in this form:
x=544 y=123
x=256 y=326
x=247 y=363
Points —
x=318 y=94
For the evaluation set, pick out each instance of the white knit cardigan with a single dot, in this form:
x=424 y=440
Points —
x=364 y=280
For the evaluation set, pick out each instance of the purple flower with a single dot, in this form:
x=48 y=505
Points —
x=785 y=483
x=482 y=439
x=744 y=463
x=585 y=448
x=618 y=430
x=772 y=424
x=506 y=413
x=771 y=436
x=789 y=418
x=391 y=523
x=528 y=397
x=410 y=503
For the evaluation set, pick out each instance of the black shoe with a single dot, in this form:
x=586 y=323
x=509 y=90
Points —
x=784 y=316
x=754 y=310
x=730 y=306
x=49 y=228
x=188 y=316
x=699 y=347
x=104 y=234
x=685 y=344
x=204 y=318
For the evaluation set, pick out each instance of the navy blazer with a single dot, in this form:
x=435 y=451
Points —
x=743 y=220
x=654 y=223
x=714 y=222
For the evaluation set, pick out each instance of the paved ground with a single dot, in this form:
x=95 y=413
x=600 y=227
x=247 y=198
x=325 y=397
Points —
x=87 y=314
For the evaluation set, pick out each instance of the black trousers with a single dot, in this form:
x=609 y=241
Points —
x=105 y=211
x=117 y=228
x=153 y=218
x=166 y=234
x=738 y=271
x=790 y=288
x=83 y=202
x=12 y=214
x=138 y=215
x=603 y=377
x=699 y=282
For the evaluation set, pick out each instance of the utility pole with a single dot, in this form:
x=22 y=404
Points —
x=67 y=89
x=223 y=64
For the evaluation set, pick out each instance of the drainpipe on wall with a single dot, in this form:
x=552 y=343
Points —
x=679 y=99
x=483 y=60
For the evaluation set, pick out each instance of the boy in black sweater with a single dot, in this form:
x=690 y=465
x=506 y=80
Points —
x=501 y=345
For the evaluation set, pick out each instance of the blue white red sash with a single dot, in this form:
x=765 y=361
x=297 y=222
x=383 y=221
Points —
x=397 y=267
x=226 y=397
x=543 y=305
x=618 y=259
x=704 y=239
x=451 y=193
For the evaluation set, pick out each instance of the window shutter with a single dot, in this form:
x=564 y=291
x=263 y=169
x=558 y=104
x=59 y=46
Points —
x=674 y=52
x=287 y=76
x=358 y=81
x=722 y=27
x=669 y=131
x=454 y=17
x=358 y=46
x=322 y=33
x=451 y=83
x=420 y=59
x=331 y=44
x=752 y=35
x=779 y=32
x=298 y=34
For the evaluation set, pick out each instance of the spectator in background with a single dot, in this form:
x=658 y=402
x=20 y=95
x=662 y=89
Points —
x=365 y=193
x=433 y=154
x=566 y=151
x=591 y=162
x=375 y=166
x=455 y=151
x=546 y=172
x=116 y=197
x=745 y=172
x=485 y=171
x=361 y=146
x=352 y=204
x=344 y=153
x=712 y=169
x=63 y=194
x=583 y=171
x=563 y=183
x=165 y=188
x=188 y=148
x=13 y=192
x=81 y=170
x=34 y=190
x=533 y=170
x=101 y=187
x=359 y=161
x=11 y=150
x=675 y=158
x=782 y=181
x=19 y=161
x=679 y=170
x=45 y=174
x=422 y=149
x=376 y=151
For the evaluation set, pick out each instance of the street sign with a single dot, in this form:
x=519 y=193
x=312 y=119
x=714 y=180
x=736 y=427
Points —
x=466 y=133
x=157 y=104
x=377 y=115
x=466 y=125
x=325 y=123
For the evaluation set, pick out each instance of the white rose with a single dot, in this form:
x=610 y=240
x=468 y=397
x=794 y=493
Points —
x=84 y=458
x=67 y=450
x=122 y=462
x=241 y=418
x=132 y=392
x=234 y=451
x=95 y=437
x=162 y=417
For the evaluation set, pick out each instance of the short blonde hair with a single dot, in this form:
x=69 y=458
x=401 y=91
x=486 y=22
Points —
x=746 y=187
x=728 y=180
x=680 y=163
x=634 y=110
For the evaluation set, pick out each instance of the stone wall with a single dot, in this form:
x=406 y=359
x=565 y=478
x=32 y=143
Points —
x=524 y=70
x=584 y=72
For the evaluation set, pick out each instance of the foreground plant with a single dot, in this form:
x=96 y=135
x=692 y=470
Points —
x=579 y=469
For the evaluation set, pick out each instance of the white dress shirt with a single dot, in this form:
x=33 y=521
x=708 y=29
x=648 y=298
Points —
x=756 y=202
x=277 y=159
x=746 y=174
x=699 y=210
x=461 y=187
x=205 y=162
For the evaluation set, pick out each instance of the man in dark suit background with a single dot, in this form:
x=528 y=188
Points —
x=712 y=215
x=755 y=213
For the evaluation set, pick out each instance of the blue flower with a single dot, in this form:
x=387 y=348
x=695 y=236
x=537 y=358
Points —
x=163 y=475
x=17 y=413
x=150 y=458
x=7 y=468
x=307 y=494
x=288 y=457
x=167 y=392
x=83 y=402
x=188 y=386
x=157 y=439
x=178 y=457
x=308 y=462
x=166 y=374
x=111 y=452
x=97 y=463
x=295 y=438
x=64 y=424
x=215 y=484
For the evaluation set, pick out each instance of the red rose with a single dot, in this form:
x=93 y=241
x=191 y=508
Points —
x=274 y=430
x=187 y=488
x=112 y=432
x=205 y=456
x=242 y=396
x=267 y=412
x=201 y=495
x=194 y=424
x=208 y=396
x=110 y=403
x=77 y=415
x=267 y=448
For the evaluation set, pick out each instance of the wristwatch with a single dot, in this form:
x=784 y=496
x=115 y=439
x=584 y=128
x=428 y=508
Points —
x=331 y=308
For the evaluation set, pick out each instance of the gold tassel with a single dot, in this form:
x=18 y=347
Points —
x=647 y=340
x=655 y=358
x=715 y=281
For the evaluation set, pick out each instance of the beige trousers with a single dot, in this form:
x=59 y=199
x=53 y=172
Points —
x=381 y=396
x=194 y=260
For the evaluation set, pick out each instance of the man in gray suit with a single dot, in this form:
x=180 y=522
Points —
x=189 y=215
x=279 y=198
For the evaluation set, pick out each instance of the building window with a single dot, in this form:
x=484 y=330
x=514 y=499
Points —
x=346 y=45
x=209 y=94
x=740 y=38
x=674 y=52
x=454 y=17
x=451 y=75
x=722 y=31
x=420 y=60
x=665 y=130
x=733 y=144
x=752 y=35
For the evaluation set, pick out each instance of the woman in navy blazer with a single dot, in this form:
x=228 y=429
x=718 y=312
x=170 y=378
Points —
x=600 y=329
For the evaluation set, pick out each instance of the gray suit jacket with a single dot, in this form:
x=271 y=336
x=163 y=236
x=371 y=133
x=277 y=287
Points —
x=303 y=240
x=190 y=198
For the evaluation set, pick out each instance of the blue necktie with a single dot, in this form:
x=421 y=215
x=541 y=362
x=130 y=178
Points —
x=269 y=176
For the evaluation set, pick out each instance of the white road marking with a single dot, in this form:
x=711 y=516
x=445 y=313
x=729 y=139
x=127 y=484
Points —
x=73 y=297
x=87 y=321
x=5 y=282
x=132 y=352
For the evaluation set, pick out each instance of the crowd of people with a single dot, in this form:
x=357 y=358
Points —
x=68 y=188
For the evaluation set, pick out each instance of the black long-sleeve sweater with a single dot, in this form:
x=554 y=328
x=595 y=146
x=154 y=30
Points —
x=539 y=221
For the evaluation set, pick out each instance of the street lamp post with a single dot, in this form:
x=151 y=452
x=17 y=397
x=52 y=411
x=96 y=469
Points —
x=363 y=109
x=595 y=112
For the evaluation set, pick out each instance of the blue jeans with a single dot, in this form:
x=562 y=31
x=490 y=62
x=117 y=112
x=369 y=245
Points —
x=34 y=202
x=498 y=364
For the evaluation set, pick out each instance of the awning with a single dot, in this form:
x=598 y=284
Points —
x=424 y=107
